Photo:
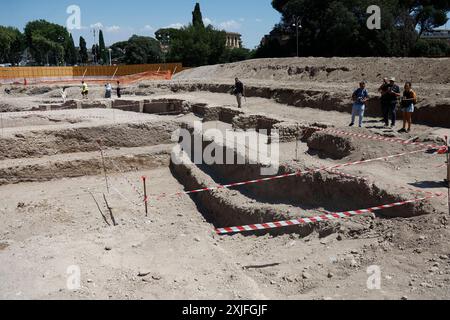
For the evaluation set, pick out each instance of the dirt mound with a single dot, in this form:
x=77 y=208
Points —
x=327 y=70
x=340 y=146
x=327 y=145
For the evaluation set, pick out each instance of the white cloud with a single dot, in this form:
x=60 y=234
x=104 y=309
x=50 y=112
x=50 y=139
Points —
x=177 y=25
x=230 y=25
x=208 y=21
x=113 y=29
x=148 y=28
x=97 y=25
x=258 y=20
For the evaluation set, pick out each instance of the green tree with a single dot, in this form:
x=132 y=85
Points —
x=142 y=50
x=198 y=46
x=71 y=52
x=12 y=45
x=197 y=17
x=95 y=53
x=103 y=53
x=426 y=14
x=83 y=51
x=236 y=54
x=432 y=48
x=48 y=42
x=47 y=51
x=165 y=35
x=338 y=28
x=118 y=50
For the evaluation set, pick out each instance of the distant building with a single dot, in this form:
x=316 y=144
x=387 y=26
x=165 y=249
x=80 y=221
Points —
x=234 y=40
x=443 y=34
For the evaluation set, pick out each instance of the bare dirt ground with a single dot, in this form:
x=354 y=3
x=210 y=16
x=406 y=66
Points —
x=51 y=168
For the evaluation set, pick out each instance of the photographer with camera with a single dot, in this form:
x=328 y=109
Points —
x=392 y=96
x=239 y=91
x=360 y=97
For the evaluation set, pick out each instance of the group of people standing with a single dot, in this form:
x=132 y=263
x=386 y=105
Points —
x=390 y=95
x=108 y=90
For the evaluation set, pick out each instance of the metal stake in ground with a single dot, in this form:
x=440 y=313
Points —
x=104 y=166
x=144 y=180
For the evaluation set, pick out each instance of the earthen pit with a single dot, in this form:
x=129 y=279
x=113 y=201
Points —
x=321 y=190
x=312 y=193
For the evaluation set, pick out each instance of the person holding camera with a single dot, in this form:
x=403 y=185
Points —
x=392 y=95
x=408 y=104
x=360 y=97
x=238 y=91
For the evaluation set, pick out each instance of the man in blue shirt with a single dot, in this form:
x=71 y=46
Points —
x=360 y=97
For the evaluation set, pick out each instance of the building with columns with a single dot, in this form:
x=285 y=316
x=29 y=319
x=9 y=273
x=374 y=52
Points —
x=234 y=40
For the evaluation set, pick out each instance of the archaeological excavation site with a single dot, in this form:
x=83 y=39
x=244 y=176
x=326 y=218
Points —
x=173 y=192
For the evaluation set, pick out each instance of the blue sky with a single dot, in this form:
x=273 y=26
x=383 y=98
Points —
x=120 y=19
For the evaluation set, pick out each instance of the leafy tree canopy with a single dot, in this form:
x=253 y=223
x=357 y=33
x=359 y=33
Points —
x=12 y=44
x=338 y=28
x=197 y=17
x=139 y=50
x=83 y=54
x=47 y=41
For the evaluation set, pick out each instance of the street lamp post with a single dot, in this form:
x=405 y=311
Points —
x=110 y=59
x=298 y=25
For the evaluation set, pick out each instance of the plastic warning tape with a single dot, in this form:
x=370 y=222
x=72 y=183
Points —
x=322 y=218
x=294 y=174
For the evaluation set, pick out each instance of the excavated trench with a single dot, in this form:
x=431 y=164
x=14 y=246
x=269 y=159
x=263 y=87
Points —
x=39 y=143
x=85 y=164
x=282 y=199
x=54 y=154
x=427 y=113
x=66 y=144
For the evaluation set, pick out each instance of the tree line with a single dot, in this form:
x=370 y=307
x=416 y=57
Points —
x=327 y=28
x=339 y=28
x=51 y=44
x=47 y=44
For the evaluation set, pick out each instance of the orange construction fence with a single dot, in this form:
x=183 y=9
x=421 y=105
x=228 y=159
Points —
x=86 y=71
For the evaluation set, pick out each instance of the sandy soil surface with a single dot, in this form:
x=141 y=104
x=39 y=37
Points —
x=178 y=256
x=417 y=70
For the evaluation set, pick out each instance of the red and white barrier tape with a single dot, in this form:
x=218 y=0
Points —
x=300 y=173
x=326 y=217
x=377 y=138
